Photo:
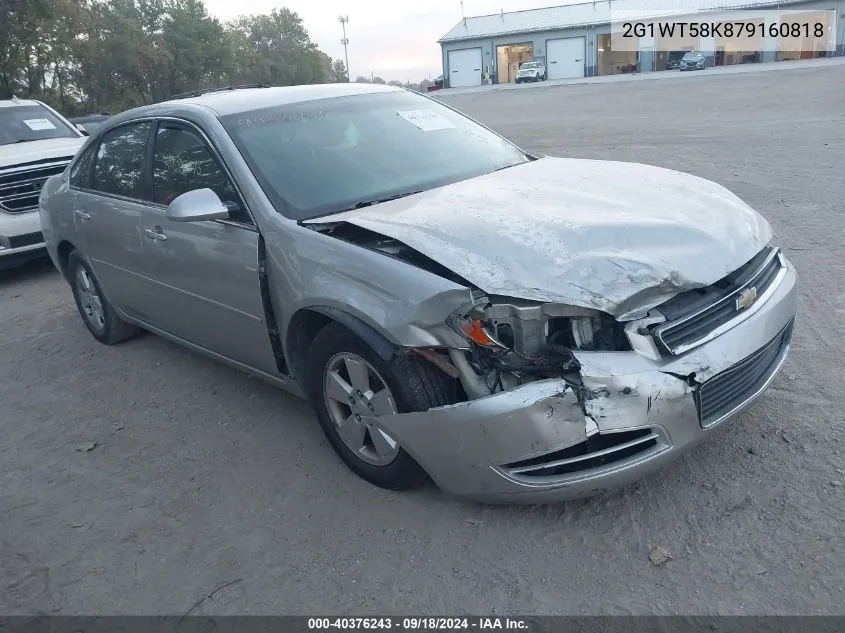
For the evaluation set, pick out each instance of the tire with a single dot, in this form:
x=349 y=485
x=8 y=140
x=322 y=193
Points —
x=103 y=323
x=414 y=384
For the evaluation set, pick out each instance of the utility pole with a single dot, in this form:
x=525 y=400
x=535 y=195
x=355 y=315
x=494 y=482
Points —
x=343 y=20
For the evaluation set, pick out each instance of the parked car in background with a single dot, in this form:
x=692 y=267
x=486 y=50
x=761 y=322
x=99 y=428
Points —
x=36 y=142
x=673 y=61
x=693 y=60
x=518 y=328
x=90 y=123
x=437 y=85
x=531 y=71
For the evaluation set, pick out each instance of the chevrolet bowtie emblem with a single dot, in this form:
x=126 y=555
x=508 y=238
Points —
x=746 y=298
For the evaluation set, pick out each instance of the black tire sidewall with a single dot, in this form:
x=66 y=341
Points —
x=403 y=472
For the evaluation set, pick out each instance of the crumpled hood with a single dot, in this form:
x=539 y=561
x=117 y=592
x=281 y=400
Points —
x=614 y=236
x=19 y=153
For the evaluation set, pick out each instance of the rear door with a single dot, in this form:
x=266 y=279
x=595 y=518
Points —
x=110 y=189
x=204 y=274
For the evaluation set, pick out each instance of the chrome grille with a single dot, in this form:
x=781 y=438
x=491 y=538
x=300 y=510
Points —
x=600 y=450
x=725 y=393
x=697 y=316
x=20 y=188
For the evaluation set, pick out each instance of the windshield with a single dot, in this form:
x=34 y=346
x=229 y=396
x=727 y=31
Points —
x=22 y=123
x=321 y=157
x=531 y=65
x=692 y=55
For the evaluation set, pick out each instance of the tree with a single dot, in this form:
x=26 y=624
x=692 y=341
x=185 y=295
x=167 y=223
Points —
x=115 y=54
x=109 y=55
x=275 y=49
x=360 y=79
x=196 y=46
x=339 y=74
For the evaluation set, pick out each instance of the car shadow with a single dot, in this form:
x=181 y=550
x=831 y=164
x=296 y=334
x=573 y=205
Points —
x=31 y=271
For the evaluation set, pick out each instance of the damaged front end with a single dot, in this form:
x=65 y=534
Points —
x=564 y=401
x=512 y=342
x=558 y=401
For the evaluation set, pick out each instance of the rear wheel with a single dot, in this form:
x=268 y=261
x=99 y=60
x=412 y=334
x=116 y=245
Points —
x=96 y=312
x=349 y=385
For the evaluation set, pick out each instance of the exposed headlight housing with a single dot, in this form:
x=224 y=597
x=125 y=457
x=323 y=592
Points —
x=529 y=328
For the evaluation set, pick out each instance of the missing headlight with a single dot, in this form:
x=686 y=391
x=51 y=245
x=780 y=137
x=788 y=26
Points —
x=589 y=333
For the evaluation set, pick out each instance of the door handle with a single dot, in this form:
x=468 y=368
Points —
x=82 y=215
x=155 y=234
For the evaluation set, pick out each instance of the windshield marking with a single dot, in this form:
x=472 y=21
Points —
x=39 y=124
x=426 y=120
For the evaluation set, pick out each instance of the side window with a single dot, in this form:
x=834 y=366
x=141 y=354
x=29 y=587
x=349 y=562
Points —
x=182 y=162
x=119 y=166
x=80 y=173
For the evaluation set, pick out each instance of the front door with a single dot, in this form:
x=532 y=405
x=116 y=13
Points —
x=109 y=195
x=205 y=273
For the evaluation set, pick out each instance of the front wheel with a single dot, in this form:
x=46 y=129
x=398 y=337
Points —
x=349 y=385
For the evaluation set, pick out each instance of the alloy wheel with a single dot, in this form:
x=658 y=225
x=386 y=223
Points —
x=89 y=299
x=355 y=392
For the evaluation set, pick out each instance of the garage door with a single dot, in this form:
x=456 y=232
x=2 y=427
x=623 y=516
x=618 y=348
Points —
x=465 y=68
x=565 y=57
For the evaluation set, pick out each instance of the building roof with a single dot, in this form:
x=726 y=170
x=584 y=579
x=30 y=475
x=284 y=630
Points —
x=585 y=14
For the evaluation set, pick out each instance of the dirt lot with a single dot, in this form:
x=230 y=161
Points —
x=202 y=476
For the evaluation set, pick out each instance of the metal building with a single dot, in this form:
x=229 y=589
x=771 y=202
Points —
x=574 y=40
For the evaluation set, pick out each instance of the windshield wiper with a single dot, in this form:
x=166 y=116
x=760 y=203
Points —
x=369 y=203
x=361 y=205
x=504 y=167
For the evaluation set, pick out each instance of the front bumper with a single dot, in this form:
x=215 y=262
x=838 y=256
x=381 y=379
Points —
x=20 y=239
x=530 y=444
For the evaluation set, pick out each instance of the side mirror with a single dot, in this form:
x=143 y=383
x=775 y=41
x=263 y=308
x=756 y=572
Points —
x=82 y=129
x=197 y=205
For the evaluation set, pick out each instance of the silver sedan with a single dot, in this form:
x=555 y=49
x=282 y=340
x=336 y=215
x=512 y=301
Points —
x=518 y=328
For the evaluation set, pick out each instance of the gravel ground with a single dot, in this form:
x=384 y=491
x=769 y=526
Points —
x=201 y=476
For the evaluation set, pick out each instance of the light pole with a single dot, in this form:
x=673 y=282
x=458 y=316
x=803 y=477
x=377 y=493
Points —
x=343 y=20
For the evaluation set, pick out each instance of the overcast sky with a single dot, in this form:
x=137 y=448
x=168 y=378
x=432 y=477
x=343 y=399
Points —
x=394 y=39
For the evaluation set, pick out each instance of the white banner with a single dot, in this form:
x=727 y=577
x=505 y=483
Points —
x=808 y=33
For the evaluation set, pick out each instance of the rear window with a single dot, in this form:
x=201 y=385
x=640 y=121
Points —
x=24 y=123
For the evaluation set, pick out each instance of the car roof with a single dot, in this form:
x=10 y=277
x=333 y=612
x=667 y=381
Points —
x=225 y=102
x=89 y=118
x=11 y=103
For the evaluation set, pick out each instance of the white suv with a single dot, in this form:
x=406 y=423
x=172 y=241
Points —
x=531 y=71
x=36 y=142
